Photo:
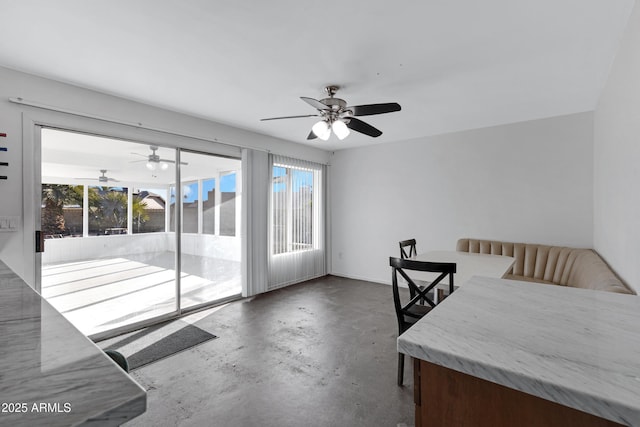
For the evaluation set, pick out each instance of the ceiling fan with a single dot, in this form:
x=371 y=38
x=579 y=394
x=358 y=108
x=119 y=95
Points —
x=336 y=116
x=102 y=178
x=154 y=161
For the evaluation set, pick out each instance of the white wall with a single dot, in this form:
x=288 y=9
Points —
x=523 y=182
x=16 y=247
x=617 y=161
x=97 y=247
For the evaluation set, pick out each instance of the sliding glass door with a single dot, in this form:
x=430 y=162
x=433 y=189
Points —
x=210 y=240
x=114 y=258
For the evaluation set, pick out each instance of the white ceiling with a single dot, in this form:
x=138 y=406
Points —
x=452 y=65
x=76 y=158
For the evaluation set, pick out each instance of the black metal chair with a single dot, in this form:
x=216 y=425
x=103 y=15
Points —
x=408 y=250
x=117 y=357
x=411 y=244
x=410 y=312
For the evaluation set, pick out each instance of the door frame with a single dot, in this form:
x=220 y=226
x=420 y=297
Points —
x=32 y=124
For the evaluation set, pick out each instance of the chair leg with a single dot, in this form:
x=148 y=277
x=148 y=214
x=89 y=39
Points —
x=400 y=369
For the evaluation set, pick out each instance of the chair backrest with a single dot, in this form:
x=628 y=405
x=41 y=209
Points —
x=402 y=267
x=408 y=253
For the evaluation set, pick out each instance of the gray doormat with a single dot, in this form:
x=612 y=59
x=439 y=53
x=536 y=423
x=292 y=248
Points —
x=162 y=347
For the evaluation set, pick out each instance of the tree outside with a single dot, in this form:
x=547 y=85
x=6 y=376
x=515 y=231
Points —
x=139 y=213
x=62 y=207
x=54 y=198
x=107 y=210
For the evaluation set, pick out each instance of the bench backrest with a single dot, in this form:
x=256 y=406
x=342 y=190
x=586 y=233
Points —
x=581 y=268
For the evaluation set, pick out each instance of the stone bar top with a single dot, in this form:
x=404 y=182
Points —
x=468 y=265
x=50 y=373
x=576 y=347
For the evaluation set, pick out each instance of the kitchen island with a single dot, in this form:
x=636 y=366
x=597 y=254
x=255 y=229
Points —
x=503 y=353
x=51 y=374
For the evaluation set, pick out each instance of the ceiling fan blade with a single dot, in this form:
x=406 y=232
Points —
x=315 y=103
x=159 y=160
x=362 y=127
x=371 y=109
x=138 y=154
x=289 y=117
x=173 y=161
x=312 y=135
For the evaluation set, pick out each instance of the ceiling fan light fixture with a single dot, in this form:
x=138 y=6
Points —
x=336 y=114
x=322 y=130
x=151 y=165
x=164 y=166
x=340 y=129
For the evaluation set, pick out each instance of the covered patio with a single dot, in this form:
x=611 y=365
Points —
x=112 y=256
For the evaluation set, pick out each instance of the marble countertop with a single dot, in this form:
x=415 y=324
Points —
x=577 y=347
x=50 y=373
x=468 y=265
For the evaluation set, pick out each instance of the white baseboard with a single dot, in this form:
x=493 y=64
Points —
x=366 y=279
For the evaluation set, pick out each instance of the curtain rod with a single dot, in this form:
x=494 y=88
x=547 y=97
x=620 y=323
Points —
x=21 y=101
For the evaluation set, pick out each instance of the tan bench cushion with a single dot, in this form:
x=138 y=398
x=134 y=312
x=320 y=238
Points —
x=581 y=268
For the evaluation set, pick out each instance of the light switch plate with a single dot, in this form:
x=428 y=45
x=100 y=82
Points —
x=9 y=223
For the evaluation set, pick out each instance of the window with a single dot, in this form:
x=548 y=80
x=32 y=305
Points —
x=190 y=206
x=208 y=203
x=296 y=245
x=292 y=208
x=62 y=210
x=209 y=206
x=148 y=210
x=107 y=210
x=228 y=204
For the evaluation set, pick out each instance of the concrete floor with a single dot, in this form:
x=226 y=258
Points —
x=321 y=353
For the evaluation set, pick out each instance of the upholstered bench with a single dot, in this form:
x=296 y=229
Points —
x=557 y=265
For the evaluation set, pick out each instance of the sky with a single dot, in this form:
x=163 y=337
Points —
x=301 y=178
x=190 y=191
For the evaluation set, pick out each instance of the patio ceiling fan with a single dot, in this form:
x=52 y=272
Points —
x=154 y=161
x=102 y=178
x=336 y=116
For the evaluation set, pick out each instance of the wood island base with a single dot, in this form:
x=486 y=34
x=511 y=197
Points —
x=444 y=397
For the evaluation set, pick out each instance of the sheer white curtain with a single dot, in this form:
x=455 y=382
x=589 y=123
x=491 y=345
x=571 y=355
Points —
x=255 y=208
x=297 y=249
